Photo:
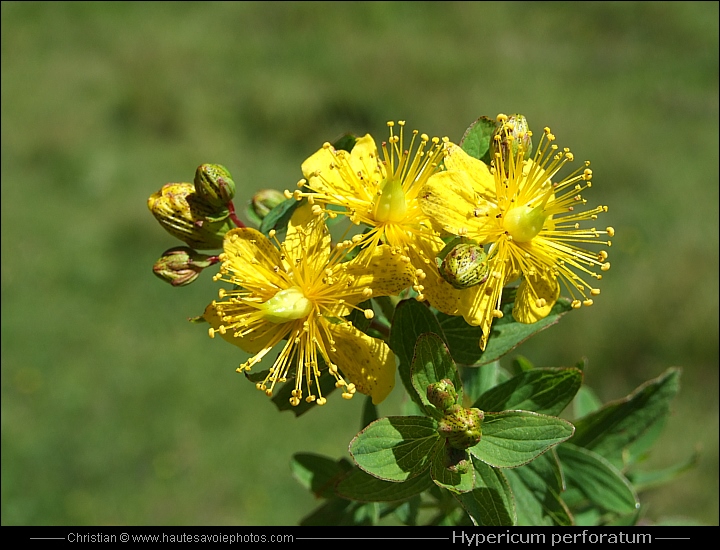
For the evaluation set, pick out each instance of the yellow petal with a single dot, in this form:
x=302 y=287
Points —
x=266 y=336
x=366 y=362
x=364 y=158
x=476 y=304
x=535 y=298
x=252 y=256
x=449 y=200
x=308 y=239
x=321 y=171
x=483 y=180
x=384 y=272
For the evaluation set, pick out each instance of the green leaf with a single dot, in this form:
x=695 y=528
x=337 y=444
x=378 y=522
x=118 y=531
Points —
x=464 y=340
x=458 y=481
x=279 y=217
x=585 y=402
x=281 y=398
x=407 y=512
x=478 y=380
x=338 y=511
x=521 y=364
x=357 y=316
x=491 y=502
x=615 y=426
x=411 y=319
x=647 y=480
x=359 y=485
x=345 y=142
x=597 y=480
x=537 y=487
x=542 y=390
x=514 y=438
x=432 y=363
x=318 y=473
x=396 y=448
x=476 y=140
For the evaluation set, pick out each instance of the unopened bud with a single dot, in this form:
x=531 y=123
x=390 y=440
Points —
x=189 y=217
x=265 y=200
x=442 y=394
x=214 y=184
x=512 y=135
x=456 y=460
x=181 y=265
x=462 y=427
x=465 y=265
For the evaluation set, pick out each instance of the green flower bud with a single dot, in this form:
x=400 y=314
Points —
x=442 y=394
x=214 y=184
x=456 y=460
x=511 y=135
x=189 y=217
x=265 y=200
x=181 y=265
x=462 y=427
x=465 y=265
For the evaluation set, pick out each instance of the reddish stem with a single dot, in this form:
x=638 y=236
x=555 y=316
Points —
x=233 y=216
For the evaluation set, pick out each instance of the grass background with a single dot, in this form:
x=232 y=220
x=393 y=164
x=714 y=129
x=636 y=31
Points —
x=116 y=411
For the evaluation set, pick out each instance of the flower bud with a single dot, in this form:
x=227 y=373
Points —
x=511 y=135
x=189 y=217
x=265 y=200
x=456 y=460
x=462 y=427
x=465 y=266
x=214 y=184
x=181 y=265
x=442 y=394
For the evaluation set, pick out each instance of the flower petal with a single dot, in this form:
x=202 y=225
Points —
x=321 y=171
x=308 y=239
x=366 y=362
x=266 y=336
x=483 y=180
x=535 y=298
x=448 y=199
x=383 y=271
x=251 y=256
x=364 y=158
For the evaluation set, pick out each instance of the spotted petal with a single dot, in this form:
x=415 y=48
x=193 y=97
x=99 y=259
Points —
x=535 y=298
x=251 y=257
x=366 y=362
x=483 y=180
x=383 y=271
x=448 y=199
x=364 y=159
x=307 y=241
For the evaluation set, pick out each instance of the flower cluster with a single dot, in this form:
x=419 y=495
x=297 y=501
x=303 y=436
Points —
x=439 y=223
x=529 y=218
x=300 y=291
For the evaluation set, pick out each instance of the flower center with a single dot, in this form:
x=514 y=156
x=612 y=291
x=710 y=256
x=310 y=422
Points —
x=287 y=305
x=390 y=205
x=523 y=223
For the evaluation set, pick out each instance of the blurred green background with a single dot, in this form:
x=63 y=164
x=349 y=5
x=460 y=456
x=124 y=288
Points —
x=115 y=410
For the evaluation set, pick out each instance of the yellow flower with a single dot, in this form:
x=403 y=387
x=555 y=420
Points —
x=300 y=291
x=532 y=222
x=382 y=193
